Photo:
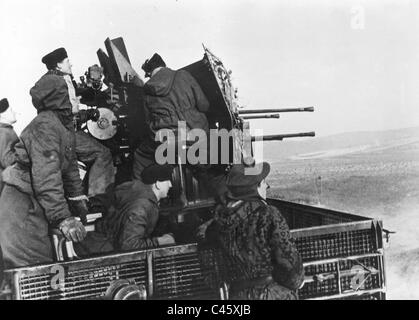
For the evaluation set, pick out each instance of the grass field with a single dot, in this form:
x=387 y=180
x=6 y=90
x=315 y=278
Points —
x=380 y=183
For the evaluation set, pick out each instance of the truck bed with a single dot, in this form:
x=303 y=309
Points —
x=342 y=255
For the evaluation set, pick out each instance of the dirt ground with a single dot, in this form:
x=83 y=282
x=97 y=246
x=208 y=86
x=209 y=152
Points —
x=382 y=184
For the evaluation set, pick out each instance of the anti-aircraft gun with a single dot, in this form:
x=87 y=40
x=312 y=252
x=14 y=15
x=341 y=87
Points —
x=122 y=121
x=342 y=253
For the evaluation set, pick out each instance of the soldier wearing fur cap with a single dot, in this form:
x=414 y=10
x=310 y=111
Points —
x=170 y=96
x=43 y=188
x=256 y=237
x=8 y=137
x=132 y=219
x=56 y=87
x=137 y=204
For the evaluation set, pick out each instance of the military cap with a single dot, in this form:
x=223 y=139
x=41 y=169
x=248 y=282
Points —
x=4 y=104
x=157 y=172
x=150 y=64
x=52 y=58
x=246 y=176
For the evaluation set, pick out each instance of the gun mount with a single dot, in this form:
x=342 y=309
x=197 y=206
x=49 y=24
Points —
x=123 y=127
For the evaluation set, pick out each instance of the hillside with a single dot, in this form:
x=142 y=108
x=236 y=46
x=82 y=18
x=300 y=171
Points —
x=339 y=144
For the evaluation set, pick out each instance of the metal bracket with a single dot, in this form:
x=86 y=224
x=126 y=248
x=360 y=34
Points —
x=387 y=233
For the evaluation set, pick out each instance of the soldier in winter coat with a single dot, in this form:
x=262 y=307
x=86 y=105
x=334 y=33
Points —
x=170 y=96
x=256 y=238
x=43 y=188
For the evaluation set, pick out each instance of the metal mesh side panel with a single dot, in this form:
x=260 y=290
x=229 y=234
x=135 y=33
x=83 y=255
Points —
x=333 y=245
x=80 y=284
x=302 y=216
x=327 y=287
x=342 y=277
x=369 y=280
x=186 y=276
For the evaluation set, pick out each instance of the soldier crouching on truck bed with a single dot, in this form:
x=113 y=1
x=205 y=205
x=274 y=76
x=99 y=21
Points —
x=255 y=236
x=139 y=207
x=8 y=137
x=56 y=87
x=43 y=189
x=170 y=96
x=129 y=225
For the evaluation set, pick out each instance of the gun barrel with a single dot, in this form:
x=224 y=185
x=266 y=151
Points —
x=307 y=109
x=263 y=116
x=283 y=136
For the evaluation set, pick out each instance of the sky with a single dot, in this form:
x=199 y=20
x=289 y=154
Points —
x=356 y=62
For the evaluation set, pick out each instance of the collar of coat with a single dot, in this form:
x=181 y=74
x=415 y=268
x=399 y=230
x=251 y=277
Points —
x=5 y=125
x=142 y=190
x=57 y=73
x=234 y=207
x=150 y=195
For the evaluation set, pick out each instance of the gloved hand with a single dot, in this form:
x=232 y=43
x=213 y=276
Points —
x=79 y=207
x=202 y=229
x=72 y=229
x=93 y=114
x=166 y=239
x=86 y=115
